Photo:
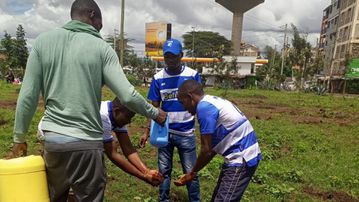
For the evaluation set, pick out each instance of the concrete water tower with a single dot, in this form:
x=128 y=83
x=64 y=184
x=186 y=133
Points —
x=238 y=8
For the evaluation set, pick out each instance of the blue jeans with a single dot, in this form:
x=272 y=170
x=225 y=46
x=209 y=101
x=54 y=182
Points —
x=232 y=183
x=186 y=146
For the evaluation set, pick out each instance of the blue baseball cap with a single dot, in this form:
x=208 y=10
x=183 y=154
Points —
x=173 y=46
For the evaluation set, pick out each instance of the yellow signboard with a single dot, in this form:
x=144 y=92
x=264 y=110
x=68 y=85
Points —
x=156 y=34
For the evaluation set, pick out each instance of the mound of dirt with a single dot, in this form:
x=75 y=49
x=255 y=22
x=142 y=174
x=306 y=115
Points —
x=330 y=195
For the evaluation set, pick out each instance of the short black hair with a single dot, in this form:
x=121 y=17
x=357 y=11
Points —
x=116 y=103
x=83 y=7
x=191 y=86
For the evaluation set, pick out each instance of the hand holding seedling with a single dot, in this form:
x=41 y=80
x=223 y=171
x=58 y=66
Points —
x=154 y=177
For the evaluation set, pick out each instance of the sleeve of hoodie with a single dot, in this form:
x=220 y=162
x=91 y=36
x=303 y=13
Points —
x=28 y=96
x=116 y=80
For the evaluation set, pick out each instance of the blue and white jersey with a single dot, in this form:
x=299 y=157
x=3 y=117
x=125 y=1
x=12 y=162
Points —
x=232 y=134
x=164 y=88
x=108 y=123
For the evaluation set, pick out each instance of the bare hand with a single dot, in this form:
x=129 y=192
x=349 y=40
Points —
x=143 y=140
x=161 y=118
x=184 y=179
x=19 y=149
x=154 y=177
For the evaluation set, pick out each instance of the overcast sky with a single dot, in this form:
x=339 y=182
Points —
x=262 y=24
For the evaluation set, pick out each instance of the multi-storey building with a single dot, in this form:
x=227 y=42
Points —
x=329 y=33
x=339 y=39
x=347 y=43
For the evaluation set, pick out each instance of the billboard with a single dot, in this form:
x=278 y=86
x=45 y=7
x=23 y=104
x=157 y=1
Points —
x=353 y=69
x=156 y=34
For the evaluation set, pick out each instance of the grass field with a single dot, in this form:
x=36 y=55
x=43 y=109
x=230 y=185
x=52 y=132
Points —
x=309 y=144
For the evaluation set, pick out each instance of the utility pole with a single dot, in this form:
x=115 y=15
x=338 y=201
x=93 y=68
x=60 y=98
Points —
x=304 y=63
x=122 y=31
x=273 y=59
x=284 y=48
x=115 y=33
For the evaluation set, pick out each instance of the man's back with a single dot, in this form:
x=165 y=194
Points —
x=233 y=136
x=70 y=61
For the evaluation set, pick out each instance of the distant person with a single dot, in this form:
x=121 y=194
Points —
x=115 y=118
x=163 y=93
x=10 y=77
x=145 y=80
x=69 y=66
x=226 y=131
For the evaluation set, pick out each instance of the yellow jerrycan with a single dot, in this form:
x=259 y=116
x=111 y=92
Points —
x=23 y=180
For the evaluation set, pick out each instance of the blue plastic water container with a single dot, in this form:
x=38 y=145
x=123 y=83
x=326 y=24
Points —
x=159 y=134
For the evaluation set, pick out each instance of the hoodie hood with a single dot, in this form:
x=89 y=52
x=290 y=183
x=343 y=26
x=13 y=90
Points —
x=77 y=26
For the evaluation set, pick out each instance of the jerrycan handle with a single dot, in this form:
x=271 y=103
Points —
x=159 y=134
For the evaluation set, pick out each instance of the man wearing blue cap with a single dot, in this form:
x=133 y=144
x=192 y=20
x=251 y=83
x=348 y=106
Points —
x=163 y=92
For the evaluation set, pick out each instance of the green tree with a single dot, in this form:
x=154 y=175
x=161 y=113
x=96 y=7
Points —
x=15 y=49
x=269 y=74
x=205 y=43
x=116 y=43
x=20 y=48
x=8 y=45
x=301 y=53
x=317 y=64
x=140 y=68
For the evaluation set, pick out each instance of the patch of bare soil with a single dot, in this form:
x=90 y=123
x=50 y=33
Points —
x=7 y=104
x=309 y=119
x=330 y=195
x=12 y=103
x=285 y=149
x=257 y=97
x=136 y=129
x=257 y=108
x=263 y=111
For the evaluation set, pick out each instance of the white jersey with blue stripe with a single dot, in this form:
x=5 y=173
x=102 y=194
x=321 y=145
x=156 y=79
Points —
x=108 y=123
x=164 y=89
x=232 y=134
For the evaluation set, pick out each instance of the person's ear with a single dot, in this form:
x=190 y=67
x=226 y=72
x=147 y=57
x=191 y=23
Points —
x=190 y=95
x=116 y=111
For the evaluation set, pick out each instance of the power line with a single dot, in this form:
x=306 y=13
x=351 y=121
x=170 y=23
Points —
x=262 y=21
x=269 y=24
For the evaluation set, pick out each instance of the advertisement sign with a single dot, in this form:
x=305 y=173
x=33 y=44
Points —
x=353 y=69
x=156 y=34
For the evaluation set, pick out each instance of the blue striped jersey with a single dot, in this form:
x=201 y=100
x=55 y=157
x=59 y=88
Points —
x=164 y=89
x=232 y=134
x=108 y=122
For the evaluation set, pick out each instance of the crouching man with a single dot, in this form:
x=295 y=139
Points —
x=226 y=131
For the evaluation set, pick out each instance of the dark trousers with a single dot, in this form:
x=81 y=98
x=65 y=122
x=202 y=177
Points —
x=83 y=170
x=232 y=183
